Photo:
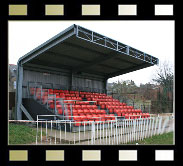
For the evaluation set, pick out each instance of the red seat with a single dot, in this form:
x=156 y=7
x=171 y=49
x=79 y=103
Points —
x=98 y=111
x=92 y=111
x=102 y=117
x=102 y=112
x=83 y=117
x=83 y=106
x=102 y=106
x=107 y=117
x=132 y=117
x=60 y=111
x=123 y=114
x=95 y=116
x=77 y=118
x=52 y=106
x=119 y=113
x=86 y=111
x=88 y=107
x=77 y=123
x=74 y=111
x=93 y=106
x=80 y=111
x=126 y=116
x=89 y=117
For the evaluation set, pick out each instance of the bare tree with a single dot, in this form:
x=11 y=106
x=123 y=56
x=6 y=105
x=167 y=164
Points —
x=164 y=78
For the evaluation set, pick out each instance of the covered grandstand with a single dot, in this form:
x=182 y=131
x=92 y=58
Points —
x=66 y=77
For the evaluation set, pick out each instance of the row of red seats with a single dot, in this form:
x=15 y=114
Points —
x=105 y=100
x=132 y=116
x=91 y=118
x=88 y=111
x=84 y=107
x=80 y=112
x=54 y=91
x=75 y=92
x=98 y=96
x=114 y=105
x=93 y=93
x=101 y=100
x=73 y=98
x=74 y=104
x=117 y=106
x=69 y=94
x=111 y=109
x=126 y=111
x=111 y=103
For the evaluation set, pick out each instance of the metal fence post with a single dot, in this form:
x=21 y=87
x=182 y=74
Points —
x=92 y=133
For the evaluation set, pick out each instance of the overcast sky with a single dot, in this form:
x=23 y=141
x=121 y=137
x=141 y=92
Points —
x=152 y=37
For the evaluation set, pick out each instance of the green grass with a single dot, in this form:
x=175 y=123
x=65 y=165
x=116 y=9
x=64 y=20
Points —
x=164 y=139
x=22 y=134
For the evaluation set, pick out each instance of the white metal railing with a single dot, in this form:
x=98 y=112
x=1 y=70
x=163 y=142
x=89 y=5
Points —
x=111 y=132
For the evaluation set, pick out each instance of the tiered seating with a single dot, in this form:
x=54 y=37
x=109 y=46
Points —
x=98 y=107
x=114 y=106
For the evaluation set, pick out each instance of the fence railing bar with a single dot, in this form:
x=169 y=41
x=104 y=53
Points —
x=65 y=130
x=84 y=129
x=37 y=133
x=135 y=121
x=121 y=132
x=41 y=133
x=111 y=134
x=103 y=133
x=131 y=130
x=106 y=134
x=79 y=134
x=97 y=133
x=156 y=125
x=117 y=132
x=88 y=135
x=114 y=135
x=149 y=127
x=60 y=132
x=70 y=132
x=46 y=131
x=152 y=127
x=143 y=135
x=159 y=131
x=139 y=129
x=146 y=128
x=51 y=132
x=125 y=137
x=55 y=132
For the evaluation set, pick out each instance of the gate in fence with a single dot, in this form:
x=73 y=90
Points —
x=113 y=132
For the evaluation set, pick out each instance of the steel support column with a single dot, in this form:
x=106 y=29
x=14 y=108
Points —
x=19 y=92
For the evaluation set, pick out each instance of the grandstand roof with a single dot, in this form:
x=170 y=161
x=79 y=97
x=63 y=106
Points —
x=81 y=50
